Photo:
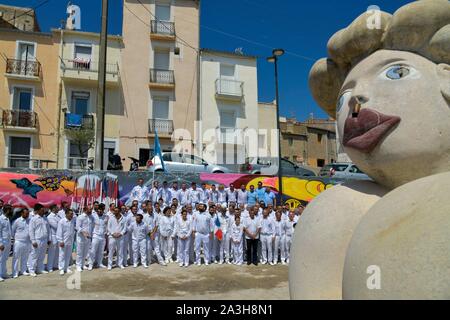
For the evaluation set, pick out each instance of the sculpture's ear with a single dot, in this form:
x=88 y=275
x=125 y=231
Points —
x=443 y=71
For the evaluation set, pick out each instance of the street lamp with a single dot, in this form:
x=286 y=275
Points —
x=276 y=53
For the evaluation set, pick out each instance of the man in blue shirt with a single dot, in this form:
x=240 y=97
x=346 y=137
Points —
x=252 y=196
x=269 y=197
x=260 y=191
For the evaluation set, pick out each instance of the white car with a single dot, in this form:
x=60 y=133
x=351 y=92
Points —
x=345 y=171
x=181 y=162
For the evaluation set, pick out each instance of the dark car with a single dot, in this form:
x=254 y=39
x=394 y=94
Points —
x=269 y=166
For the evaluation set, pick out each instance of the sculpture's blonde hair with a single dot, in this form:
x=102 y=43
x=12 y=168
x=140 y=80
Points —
x=422 y=27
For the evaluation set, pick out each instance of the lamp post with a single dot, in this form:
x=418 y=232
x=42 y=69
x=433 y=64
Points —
x=276 y=53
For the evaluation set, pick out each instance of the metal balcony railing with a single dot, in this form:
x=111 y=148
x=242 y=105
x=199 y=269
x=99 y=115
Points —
x=162 y=76
x=19 y=160
x=160 y=125
x=29 y=68
x=87 y=65
x=163 y=27
x=86 y=121
x=228 y=87
x=19 y=118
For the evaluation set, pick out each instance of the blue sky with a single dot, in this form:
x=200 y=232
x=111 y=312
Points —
x=300 y=27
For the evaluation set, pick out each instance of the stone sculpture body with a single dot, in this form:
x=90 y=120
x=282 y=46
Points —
x=389 y=89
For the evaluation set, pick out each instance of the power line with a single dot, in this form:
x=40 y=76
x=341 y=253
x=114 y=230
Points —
x=32 y=9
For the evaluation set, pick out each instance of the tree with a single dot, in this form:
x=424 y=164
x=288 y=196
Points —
x=83 y=138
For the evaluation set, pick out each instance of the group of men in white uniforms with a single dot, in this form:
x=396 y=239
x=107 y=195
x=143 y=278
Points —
x=189 y=226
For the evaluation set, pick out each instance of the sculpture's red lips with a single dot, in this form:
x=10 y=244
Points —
x=364 y=132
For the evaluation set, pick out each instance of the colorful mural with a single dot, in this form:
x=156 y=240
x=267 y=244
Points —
x=26 y=187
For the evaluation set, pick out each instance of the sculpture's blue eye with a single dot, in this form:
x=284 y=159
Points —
x=397 y=72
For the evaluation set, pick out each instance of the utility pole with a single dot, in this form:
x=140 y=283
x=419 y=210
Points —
x=100 y=128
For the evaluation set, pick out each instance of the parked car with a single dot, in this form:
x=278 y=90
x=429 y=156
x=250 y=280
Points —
x=181 y=162
x=345 y=171
x=268 y=166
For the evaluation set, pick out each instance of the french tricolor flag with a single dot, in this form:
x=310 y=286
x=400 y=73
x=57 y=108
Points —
x=217 y=230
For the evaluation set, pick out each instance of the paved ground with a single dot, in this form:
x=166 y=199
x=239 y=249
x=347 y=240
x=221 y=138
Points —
x=157 y=282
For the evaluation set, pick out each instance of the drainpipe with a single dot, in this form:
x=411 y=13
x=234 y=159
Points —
x=199 y=110
x=58 y=125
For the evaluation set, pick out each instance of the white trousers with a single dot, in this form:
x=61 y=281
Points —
x=266 y=248
x=224 y=247
x=83 y=247
x=37 y=256
x=127 y=244
x=238 y=251
x=166 y=246
x=153 y=245
x=287 y=246
x=139 y=250
x=115 y=245
x=279 y=245
x=202 y=239
x=96 y=252
x=65 y=254
x=183 y=250
x=52 y=255
x=4 y=254
x=20 y=256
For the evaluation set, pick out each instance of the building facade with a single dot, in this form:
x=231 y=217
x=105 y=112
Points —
x=20 y=18
x=78 y=56
x=311 y=143
x=268 y=134
x=228 y=107
x=28 y=97
x=159 y=76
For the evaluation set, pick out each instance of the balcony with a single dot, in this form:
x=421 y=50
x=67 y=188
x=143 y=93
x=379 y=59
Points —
x=73 y=121
x=23 y=69
x=229 y=89
x=86 y=71
x=162 y=79
x=162 y=30
x=19 y=120
x=162 y=126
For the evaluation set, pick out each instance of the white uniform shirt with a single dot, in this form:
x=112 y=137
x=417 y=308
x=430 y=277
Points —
x=202 y=223
x=116 y=226
x=61 y=214
x=153 y=195
x=85 y=224
x=39 y=229
x=242 y=196
x=221 y=196
x=183 y=196
x=204 y=195
x=66 y=231
x=183 y=228
x=167 y=226
x=53 y=220
x=267 y=226
x=231 y=195
x=213 y=196
x=195 y=196
x=252 y=225
x=20 y=230
x=166 y=195
x=138 y=231
x=5 y=229
x=224 y=222
x=289 y=228
x=175 y=194
x=139 y=193
x=237 y=231
x=100 y=226
x=278 y=228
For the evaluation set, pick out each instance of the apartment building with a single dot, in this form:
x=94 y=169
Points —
x=228 y=107
x=268 y=134
x=20 y=18
x=77 y=57
x=159 y=76
x=310 y=143
x=28 y=95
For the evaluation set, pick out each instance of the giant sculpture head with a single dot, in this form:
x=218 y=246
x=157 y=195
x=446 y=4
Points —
x=389 y=90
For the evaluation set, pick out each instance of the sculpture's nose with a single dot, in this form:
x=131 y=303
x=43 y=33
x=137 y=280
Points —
x=356 y=103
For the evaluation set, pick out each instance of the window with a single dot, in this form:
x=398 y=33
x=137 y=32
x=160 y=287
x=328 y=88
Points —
x=162 y=60
x=227 y=71
x=227 y=126
x=162 y=12
x=319 y=138
x=78 y=155
x=290 y=141
x=83 y=51
x=144 y=156
x=22 y=98
x=320 y=162
x=160 y=108
x=261 y=141
x=80 y=103
x=26 y=51
x=19 y=152
x=355 y=169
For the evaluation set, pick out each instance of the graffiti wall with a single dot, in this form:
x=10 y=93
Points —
x=27 y=187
